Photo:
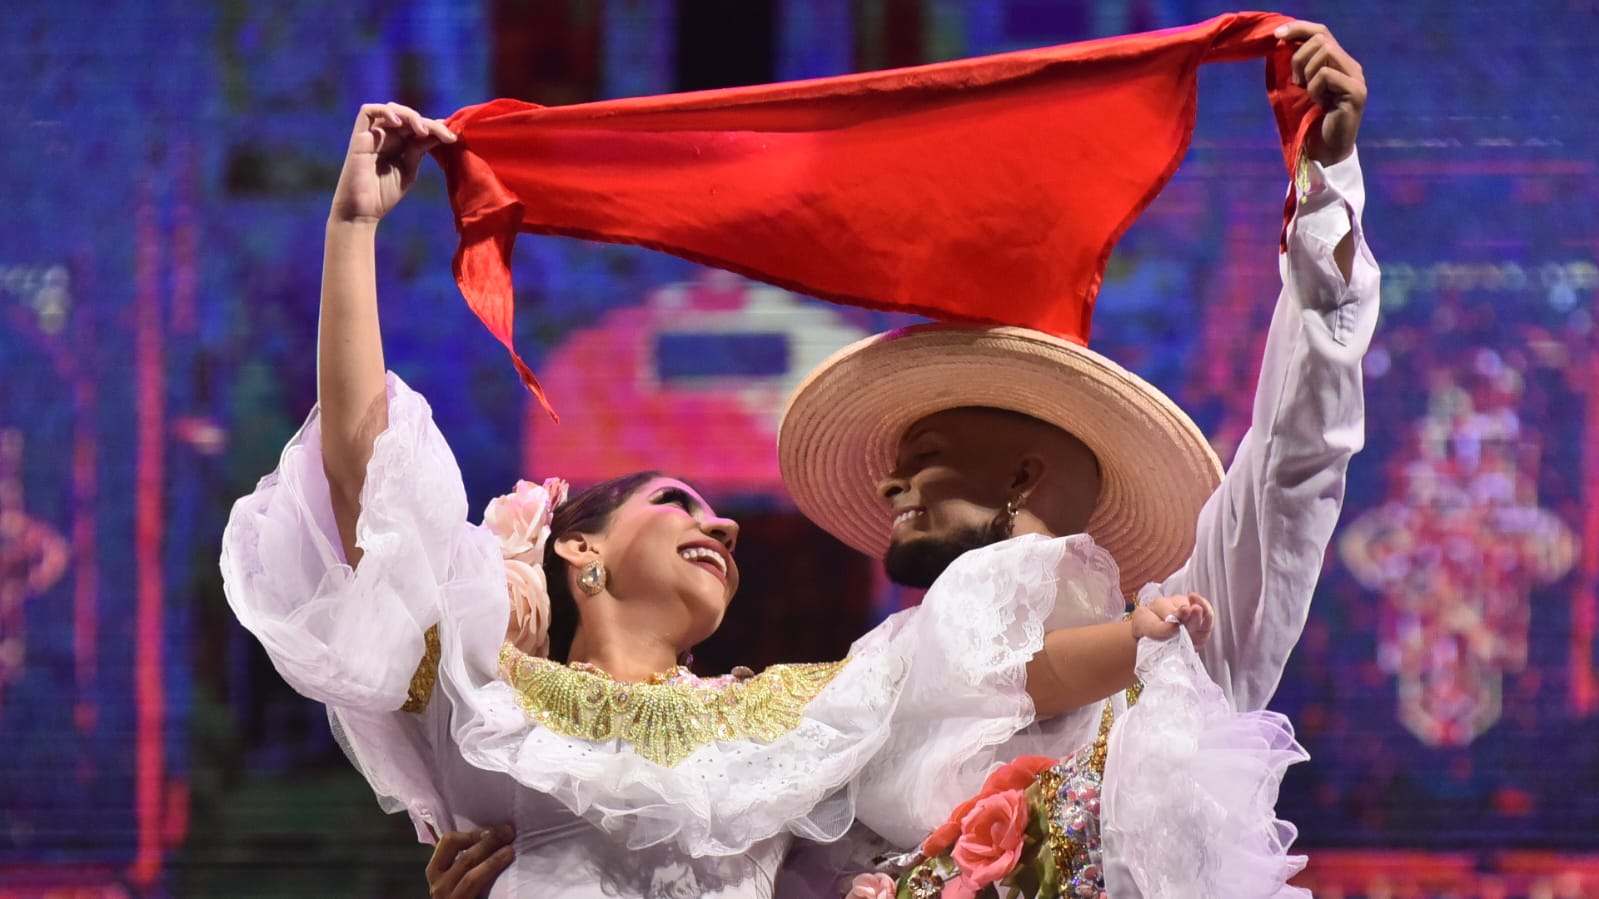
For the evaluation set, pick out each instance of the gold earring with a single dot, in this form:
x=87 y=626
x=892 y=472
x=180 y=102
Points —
x=1012 y=507
x=592 y=578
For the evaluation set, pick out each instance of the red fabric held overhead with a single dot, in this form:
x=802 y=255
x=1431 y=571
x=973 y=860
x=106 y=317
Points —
x=984 y=190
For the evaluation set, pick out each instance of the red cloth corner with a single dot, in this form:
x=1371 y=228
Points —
x=985 y=190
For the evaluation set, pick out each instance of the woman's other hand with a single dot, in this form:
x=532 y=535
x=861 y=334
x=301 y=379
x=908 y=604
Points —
x=465 y=864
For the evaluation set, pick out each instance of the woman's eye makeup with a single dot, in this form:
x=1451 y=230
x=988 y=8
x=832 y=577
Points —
x=673 y=496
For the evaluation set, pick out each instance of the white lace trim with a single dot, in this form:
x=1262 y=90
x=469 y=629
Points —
x=968 y=645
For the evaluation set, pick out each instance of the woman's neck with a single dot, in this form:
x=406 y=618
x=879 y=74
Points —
x=625 y=657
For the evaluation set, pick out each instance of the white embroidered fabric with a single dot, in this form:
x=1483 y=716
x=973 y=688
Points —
x=1188 y=806
x=965 y=707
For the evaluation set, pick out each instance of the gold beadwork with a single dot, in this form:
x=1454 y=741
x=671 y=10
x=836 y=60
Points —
x=427 y=673
x=667 y=719
x=1106 y=719
x=1071 y=854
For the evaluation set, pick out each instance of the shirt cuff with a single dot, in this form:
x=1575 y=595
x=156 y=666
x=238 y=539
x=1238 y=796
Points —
x=1330 y=199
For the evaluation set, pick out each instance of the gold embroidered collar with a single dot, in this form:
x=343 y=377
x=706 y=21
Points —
x=667 y=719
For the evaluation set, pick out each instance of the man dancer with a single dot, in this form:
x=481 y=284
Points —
x=920 y=445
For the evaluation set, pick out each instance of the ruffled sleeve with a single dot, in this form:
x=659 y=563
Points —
x=965 y=706
x=352 y=637
x=718 y=799
x=1191 y=789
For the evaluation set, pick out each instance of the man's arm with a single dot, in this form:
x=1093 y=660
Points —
x=1262 y=536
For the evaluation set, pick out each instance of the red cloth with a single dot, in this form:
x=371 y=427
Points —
x=985 y=190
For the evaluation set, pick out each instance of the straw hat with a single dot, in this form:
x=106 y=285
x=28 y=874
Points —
x=841 y=430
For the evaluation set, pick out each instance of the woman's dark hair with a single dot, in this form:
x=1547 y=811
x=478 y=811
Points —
x=588 y=512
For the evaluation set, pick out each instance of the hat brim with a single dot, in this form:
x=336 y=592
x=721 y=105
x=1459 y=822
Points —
x=841 y=429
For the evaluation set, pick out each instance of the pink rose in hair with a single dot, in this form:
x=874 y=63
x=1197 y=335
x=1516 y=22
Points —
x=529 y=627
x=991 y=840
x=872 y=886
x=521 y=518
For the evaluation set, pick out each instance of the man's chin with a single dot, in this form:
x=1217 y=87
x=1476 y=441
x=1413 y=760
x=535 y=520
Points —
x=919 y=559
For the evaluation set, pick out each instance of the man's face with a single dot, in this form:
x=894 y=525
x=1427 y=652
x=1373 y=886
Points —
x=954 y=473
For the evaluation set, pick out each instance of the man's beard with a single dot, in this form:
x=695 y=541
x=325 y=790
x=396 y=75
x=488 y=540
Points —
x=919 y=560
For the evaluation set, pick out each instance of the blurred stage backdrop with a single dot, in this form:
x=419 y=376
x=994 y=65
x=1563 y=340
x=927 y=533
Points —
x=167 y=170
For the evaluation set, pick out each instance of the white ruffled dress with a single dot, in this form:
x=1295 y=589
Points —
x=929 y=702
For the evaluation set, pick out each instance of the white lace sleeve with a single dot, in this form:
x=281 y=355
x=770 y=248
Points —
x=965 y=706
x=352 y=638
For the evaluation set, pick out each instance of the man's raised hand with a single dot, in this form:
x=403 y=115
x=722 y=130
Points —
x=1335 y=82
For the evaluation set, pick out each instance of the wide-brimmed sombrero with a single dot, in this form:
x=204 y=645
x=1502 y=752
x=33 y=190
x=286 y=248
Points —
x=841 y=429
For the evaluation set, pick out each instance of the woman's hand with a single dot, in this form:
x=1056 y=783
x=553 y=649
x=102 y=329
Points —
x=464 y=864
x=386 y=148
x=1160 y=619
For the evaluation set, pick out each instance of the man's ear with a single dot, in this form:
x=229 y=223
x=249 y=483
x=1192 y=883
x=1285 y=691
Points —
x=1027 y=474
x=577 y=549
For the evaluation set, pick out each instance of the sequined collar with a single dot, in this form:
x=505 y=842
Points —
x=675 y=675
x=673 y=715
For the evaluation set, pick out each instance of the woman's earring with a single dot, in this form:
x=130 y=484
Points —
x=592 y=578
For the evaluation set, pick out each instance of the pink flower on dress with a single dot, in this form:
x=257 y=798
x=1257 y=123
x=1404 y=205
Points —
x=872 y=886
x=521 y=518
x=990 y=842
x=529 y=626
x=1018 y=774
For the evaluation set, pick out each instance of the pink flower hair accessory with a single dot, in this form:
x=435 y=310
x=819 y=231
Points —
x=520 y=520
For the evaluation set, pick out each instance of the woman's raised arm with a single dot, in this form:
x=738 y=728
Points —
x=386 y=147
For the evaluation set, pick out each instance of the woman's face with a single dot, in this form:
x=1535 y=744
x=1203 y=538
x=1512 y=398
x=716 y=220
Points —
x=666 y=541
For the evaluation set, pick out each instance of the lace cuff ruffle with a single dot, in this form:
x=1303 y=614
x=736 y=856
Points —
x=1182 y=763
x=351 y=638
